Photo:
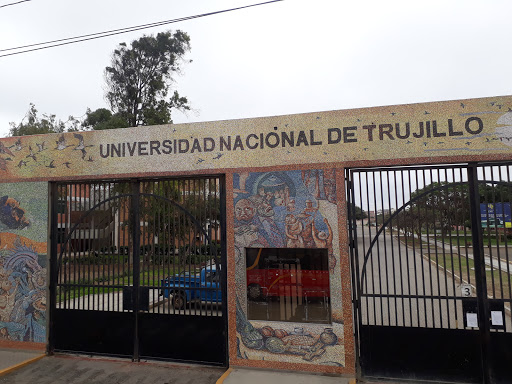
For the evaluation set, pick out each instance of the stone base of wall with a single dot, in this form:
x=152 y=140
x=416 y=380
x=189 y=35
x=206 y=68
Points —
x=23 y=345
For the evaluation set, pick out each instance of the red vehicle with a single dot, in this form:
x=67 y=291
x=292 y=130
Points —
x=287 y=279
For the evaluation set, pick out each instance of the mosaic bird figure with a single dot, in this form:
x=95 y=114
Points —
x=84 y=152
x=31 y=153
x=219 y=155
x=462 y=105
x=3 y=164
x=40 y=146
x=17 y=145
x=22 y=163
x=61 y=143
x=67 y=164
x=90 y=158
x=81 y=144
x=5 y=150
x=51 y=165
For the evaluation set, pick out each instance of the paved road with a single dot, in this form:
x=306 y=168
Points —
x=400 y=272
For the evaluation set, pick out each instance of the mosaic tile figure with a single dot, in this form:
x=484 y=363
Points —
x=23 y=262
x=292 y=209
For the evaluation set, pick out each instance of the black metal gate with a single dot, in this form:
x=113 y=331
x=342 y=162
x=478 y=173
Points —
x=431 y=267
x=138 y=269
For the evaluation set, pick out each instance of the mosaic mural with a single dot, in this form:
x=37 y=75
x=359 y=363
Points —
x=23 y=262
x=292 y=209
x=450 y=128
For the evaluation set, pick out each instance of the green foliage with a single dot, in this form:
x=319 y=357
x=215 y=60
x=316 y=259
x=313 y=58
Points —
x=359 y=213
x=447 y=206
x=167 y=223
x=139 y=79
x=32 y=124
x=443 y=206
x=102 y=118
x=495 y=193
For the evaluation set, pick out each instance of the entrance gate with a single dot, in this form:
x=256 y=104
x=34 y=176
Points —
x=432 y=261
x=138 y=269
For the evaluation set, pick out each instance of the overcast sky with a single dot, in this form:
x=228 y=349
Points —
x=288 y=57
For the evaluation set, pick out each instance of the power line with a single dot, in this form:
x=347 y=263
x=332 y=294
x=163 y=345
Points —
x=18 y=2
x=98 y=35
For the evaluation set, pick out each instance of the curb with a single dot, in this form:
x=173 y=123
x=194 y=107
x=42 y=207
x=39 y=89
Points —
x=223 y=377
x=20 y=365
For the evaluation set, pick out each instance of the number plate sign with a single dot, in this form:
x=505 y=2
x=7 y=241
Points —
x=466 y=290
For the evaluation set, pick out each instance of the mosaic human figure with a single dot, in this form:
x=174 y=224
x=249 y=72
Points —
x=244 y=211
x=265 y=214
x=324 y=240
x=11 y=214
x=330 y=185
x=247 y=231
x=307 y=216
x=293 y=232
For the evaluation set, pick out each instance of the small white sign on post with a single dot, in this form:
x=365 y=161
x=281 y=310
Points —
x=466 y=290
x=472 y=320
x=497 y=318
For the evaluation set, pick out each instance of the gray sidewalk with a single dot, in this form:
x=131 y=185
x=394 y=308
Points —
x=259 y=376
x=21 y=367
x=14 y=358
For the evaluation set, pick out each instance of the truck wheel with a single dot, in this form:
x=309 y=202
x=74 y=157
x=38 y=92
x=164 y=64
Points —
x=254 y=292
x=179 y=300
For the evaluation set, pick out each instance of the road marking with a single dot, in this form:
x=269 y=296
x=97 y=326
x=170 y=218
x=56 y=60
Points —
x=223 y=377
x=20 y=365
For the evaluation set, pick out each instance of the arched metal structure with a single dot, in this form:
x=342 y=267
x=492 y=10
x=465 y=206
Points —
x=432 y=282
x=118 y=250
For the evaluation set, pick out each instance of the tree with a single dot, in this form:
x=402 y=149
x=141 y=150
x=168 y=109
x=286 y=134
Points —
x=443 y=205
x=359 y=213
x=173 y=229
x=102 y=118
x=140 y=77
x=32 y=124
x=495 y=193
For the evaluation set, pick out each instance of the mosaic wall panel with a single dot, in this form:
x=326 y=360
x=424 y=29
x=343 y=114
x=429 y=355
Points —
x=289 y=209
x=23 y=261
x=417 y=131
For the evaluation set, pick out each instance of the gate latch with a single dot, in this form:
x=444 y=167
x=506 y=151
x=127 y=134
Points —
x=129 y=298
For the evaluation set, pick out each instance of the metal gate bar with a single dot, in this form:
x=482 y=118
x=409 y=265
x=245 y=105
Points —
x=419 y=274
x=119 y=249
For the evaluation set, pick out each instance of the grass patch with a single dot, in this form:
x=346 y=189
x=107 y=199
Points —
x=463 y=240
x=150 y=276
x=464 y=268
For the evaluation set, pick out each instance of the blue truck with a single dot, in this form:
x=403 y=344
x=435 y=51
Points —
x=185 y=287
